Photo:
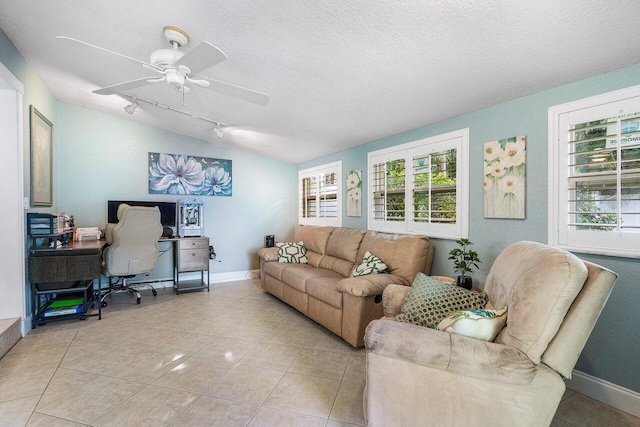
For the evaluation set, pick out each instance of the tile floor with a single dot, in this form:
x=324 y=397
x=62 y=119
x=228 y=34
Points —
x=233 y=356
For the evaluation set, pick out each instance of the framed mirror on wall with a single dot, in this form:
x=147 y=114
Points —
x=41 y=158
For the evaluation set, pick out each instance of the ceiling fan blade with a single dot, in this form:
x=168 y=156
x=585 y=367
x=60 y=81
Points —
x=201 y=57
x=123 y=87
x=237 y=91
x=106 y=50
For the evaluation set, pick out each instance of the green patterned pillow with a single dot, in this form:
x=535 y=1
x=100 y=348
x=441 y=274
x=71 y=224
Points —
x=429 y=301
x=479 y=324
x=292 y=252
x=371 y=264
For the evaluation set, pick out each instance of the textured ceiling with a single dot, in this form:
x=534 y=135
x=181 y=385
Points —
x=339 y=73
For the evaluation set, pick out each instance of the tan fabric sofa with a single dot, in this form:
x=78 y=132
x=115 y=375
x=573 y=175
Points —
x=323 y=290
x=420 y=376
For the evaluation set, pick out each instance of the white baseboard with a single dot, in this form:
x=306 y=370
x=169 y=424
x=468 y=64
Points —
x=234 y=275
x=608 y=393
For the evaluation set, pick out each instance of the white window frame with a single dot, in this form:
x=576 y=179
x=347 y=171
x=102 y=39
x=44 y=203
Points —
x=611 y=243
x=318 y=172
x=459 y=140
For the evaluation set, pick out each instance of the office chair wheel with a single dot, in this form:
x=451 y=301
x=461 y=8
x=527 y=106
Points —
x=104 y=304
x=155 y=293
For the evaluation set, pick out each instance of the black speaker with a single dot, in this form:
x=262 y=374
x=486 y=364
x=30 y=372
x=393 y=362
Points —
x=167 y=232
x=269 y=241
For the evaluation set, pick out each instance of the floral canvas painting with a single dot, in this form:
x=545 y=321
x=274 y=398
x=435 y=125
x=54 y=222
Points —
x=189 y=175
x=354 y=193
x=504 y=178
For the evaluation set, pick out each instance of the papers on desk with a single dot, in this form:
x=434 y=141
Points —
x=87 y=233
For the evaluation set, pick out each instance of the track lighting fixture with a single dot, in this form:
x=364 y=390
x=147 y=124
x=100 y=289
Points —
x=219 y=133
x=131 y=107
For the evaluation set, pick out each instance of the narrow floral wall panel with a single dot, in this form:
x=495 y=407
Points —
x=189 y=175
x=354 y=193
x=504 y=178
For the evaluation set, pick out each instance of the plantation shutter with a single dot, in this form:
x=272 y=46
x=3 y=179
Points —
x=308 y=198
x=389 y=191
x=604 y=174
x=434 y=187
x=328 y=195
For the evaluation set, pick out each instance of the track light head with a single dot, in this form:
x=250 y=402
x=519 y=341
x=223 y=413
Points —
x=131 y=108
x=219 y=133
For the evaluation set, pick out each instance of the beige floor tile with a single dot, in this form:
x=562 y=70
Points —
x=247 y=384
x=210 y=411
x=325 y=340
x=17 y=412
x=24 y=384
x=356 y=369
x=142 y=365
x=193 y=374
x=581 y=410
x=305 y=394
x=91 y=401
x=348 y=406
x=15 y=362
x=150 y=407
x=269 y=417
x=271 y=356
x=326 y=364
x=334 y=423
x=230 y=350
x=41 y=420
x=64 y=381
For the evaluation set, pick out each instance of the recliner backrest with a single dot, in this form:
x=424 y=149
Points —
x=538 y=284
x=134 y=247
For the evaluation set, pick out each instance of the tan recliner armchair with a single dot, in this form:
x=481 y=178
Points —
x=132 y=248
x=417 y=376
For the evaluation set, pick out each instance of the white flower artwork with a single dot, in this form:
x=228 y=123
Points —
x=354 y=193
x=504 y=178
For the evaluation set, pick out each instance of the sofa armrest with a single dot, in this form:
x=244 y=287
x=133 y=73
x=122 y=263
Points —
x=393 y=298
x=268 y=254
x=366 y=286
x=449 y=352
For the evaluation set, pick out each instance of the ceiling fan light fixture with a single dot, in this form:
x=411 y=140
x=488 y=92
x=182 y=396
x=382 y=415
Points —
x=219 y=133
x=131 y=108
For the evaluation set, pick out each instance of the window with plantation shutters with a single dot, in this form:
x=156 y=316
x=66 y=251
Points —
x=320 y=195
x=418 y=187
x=595 y=190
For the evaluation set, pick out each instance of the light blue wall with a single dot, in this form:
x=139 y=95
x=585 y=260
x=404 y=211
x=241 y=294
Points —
x=101 y=157
x=616 y=335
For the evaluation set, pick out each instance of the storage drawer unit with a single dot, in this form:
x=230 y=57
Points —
x=192 y=255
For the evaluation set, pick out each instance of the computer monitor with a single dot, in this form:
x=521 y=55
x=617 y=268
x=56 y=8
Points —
x=167 y=210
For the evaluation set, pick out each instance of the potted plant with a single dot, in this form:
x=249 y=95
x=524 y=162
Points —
x=464 y=260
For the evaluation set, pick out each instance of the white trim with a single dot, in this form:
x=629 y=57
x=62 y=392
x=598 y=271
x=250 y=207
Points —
x=6 y=75
x=603 y=391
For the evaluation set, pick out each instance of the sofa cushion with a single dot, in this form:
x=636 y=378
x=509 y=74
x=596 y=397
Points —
x=479 y=324
x=292 y=252
x=338 y=265
x=344 y=243
x=429 y=301
x=326 y=290
x=404 y=255
x=315 y=238
x=275 y=269
x=297 y=275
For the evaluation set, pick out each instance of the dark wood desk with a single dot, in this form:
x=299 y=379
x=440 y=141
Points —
x=67 y=270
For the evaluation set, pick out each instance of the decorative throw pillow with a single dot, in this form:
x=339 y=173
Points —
x=429 y=301
x=479 y=324
x=371 y=264
x=292 y=252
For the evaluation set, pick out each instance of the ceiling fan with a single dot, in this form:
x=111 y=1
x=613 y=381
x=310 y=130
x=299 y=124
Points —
x=180 y=69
